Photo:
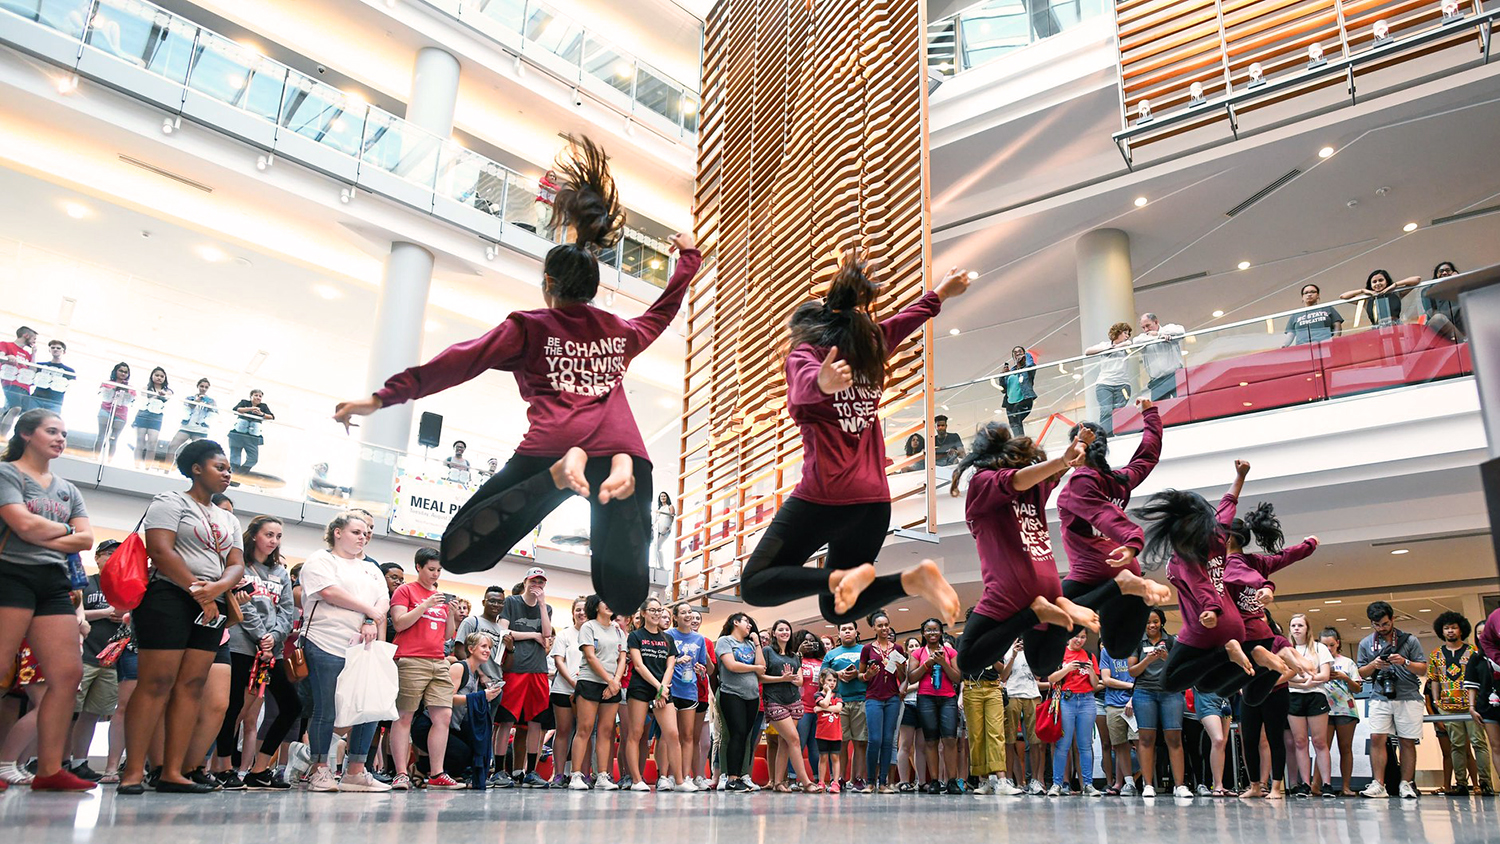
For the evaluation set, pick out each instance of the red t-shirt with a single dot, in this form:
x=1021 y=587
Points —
x=708 y=646
x=425 y=638
x=9 y=349
x=1078 y=681
x=811 y=668
x=829 y=728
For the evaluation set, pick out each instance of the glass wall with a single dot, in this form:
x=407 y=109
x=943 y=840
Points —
x=986 y=31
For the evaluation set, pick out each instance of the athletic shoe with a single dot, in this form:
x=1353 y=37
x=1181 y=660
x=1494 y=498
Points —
x=1090 y=791
x=956 y=786
x=199 y=776
x=933 y=787
x=322 y=780
x=749 y=783
x=1148 y=790
x=986 y=786
x=559 y=781
x=14 y=774
x=602 y=782
x=626 y=783
x=1374 y=790
x=231 y=781
x=382 y=776
x=402 y=782
x=833 y=787
x=885 y=788
x=63 y=780
x=1204 y=791
x=737 y=785
x=863 y=788
x=84 y=772
x=687 y=786
x=703 y=783
x=664 y=784
x=1128 y=789
x=501 y=779
x=265 y=781
x=444 y=782
x=577 y=782
x=1407 y=791
x=1057 y=791
x=904 y=788
x=1035 y=788
x=362 y=781
x=1183 y=791
x=300 y=761
x=1006 y=788
x=533 y=780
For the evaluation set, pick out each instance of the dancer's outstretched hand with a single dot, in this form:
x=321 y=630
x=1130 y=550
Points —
x=683 y=240
x=347 y=410
x=1144 y=403
x=834 y=376
x=1242 y=468
x=954 y=283
x=1121 y=557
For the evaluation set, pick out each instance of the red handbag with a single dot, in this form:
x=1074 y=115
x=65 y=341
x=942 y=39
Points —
x=123 y=576
x=1049 y=726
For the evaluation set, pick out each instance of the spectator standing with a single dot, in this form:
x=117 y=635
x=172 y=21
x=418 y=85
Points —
x=1382 y=296
x=53 y=378
x=491 y=466
x=201 y=409
x=423 y=622
x=1480 y=681
x=1119 y=716
x=487 y=621
x=843 y=661
x=98 y=695
x=1447 y=667
x=527 y=696
x=1315 y=324
x=1112 y=380
x=691 y=664
x=457 y=466
x=149 y=418
x=781 y=689
x=1079 y=679
x=245 y=438
x=17 y=374
x=602 y=643
x=1307 y=711
x=662 y=519
x=1157 y=710
x=116 y=397
x=1444 y=316
x=984 y=712
x=934 y=667
x=948 y=446
x=1343 y=714
x=1161 y=352
x=566 y=659
x=882 y=665
x=826 y=709
x=1020 y=719
x=1019 y=394
x=269 y=617
x=1392 y=662
x=1212 y=709
x=740 y=666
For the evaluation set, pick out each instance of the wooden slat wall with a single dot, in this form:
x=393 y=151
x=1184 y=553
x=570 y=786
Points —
x=812 y=141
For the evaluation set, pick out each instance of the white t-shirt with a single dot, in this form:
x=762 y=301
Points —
x=334 y=628
x=1319 y=654
x=1022 y=683
x=565 y=645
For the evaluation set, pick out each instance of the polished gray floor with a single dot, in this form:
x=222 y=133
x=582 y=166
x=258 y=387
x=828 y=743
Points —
x=469 y=818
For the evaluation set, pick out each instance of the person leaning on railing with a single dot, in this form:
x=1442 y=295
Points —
x=1382 y=296
x=201 y=408
x=1313 y=325
x=1161 y=353
x=1112 y=384
x=1020 y=389
x=1444 y=316
x=245 y=438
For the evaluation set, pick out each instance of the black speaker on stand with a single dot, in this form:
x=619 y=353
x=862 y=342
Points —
x=430 y=430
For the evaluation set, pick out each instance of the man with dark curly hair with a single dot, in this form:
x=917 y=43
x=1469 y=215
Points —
x=1446 y=667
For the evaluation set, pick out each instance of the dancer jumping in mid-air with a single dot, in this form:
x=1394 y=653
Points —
x=1006 y=509
x=1247 y=585
x=569 y=359
x=835 y=371
x=1102 y=542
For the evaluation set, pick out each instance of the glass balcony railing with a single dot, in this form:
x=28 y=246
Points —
x=1275 y=361
x=585 y=58
x=174 y=64
x=986 y=31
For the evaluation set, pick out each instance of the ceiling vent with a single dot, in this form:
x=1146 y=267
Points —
x=166 y=174
x=1171 y=281
x=1263 y=193
x=1464 y=215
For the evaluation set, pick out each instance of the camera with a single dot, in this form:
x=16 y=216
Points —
x=1386 y=679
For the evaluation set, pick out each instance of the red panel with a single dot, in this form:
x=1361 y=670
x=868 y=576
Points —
x=1173 y=412
x=1258 y=366
x=1412 y=368
x=1277 y=392
x=1378 y=344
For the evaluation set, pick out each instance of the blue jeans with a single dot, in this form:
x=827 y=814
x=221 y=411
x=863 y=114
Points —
x=806 y=726
x=1110 y=397
x=1078 y=725
x=323 y=676
x=881 y=717
x=1158 y=710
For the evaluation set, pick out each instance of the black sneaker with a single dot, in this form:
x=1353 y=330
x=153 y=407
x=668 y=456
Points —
x=933 y=787
x=83 y=771
x=265 y=781
x=955 y=787
x=736 y=784
x=198 y=776
x=230 y=780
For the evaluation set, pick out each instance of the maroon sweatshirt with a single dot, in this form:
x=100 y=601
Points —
x=1489 y=638
x=1201 y=588
x=843 y=448
x=1092 y=509
x=1015 y=547
x=568 y=363
x=1245 y=573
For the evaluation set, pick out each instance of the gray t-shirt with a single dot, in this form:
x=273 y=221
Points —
x=1150 y=679
x=1313 y=326
x=480 y=624
x=608 y=642
x=743 y=685
x=205 y=535
x=1408 y=685
x=59 y=502
x=531 y=654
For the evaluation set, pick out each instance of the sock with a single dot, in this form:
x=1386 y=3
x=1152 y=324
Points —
x=530 y=762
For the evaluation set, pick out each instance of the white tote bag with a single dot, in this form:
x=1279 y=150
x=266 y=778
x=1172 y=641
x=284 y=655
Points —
x=367 y=686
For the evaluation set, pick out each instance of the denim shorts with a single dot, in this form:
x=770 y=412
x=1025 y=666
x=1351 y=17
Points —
x=1207 y=704
x=1158 y=710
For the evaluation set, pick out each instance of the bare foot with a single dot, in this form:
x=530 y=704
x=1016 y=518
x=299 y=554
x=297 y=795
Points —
x=1050 y=613
x=1252 y=793
x=1079 y=615
x=1147 y=590
x=1269 y=660
x=1276 y=792
x=847 y=584
x=621 y=480
x=567 y=473
x=1237 y=656
x=925 y=580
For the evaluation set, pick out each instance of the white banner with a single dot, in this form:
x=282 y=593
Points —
x=422 y=507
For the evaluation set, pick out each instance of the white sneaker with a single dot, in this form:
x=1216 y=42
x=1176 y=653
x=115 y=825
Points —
x=687 y=785
x=723 y=782
x=1203 y=790
x=639 y=786
x=1055 y=791
x=664 y=784
x=300 y=757
x=1183 y=791
x=1090 y=791
x=362 y=781
x=987 y=786
x=1148 y=790
x=13 y=774
x=1035 y=789
x=1374 y=789
x=322 y=780
x=1407 y=791
x=703 y=783
x=1128 y=789
x=603 y=783
x=1006 y=788
x=749 y=782
x=577 y=782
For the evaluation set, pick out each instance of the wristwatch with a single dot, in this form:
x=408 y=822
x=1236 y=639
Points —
x=369 y=620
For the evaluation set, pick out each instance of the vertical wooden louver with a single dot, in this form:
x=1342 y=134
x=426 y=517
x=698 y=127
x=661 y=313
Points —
x=813 y=141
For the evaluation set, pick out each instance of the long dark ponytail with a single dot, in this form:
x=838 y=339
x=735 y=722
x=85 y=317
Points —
x=995 y=448
x=1096 y=456
x=1261 y=524
x=1178 y=522
x=843 y=319
x=26 y=424
x=588 y=202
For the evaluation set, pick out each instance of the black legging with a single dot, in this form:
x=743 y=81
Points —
x=288 y=707
x=985 y=640
x=1270 y=714
x=739 y=719
x=778 y=572
x=1122 y=622
x=1209 y=669
x=511 y=504
x=1256 y=688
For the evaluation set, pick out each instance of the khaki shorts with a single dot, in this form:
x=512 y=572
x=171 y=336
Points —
x=1119 y=729
x=853 y=723
x=99 y=692
x=423 y=679
x=1020 y=713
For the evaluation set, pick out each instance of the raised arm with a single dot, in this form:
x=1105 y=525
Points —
x=649 y=325
x=500 y=348
x=1149 y=451
x=1269 y=564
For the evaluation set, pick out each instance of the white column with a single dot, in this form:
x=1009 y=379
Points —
x=1106 y=294
x=434 y=90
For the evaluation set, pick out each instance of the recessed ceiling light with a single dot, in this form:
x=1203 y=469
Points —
x=1425 y=609
x=1316 y=609
x=945 y=407
x=1140 y=201
x=999 y=410
x=211 y=254
x=903 y=609
x=1244 y=265
x=1335 y=601
x=1218 y=314
x=327 y=291
x=1325 y=152
x=1399 y=551
x=1341 y=619
x=1409 y=227
x=953 y=332
x=76 y=210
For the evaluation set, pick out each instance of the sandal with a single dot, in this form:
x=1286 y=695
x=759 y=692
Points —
x=782 y=788
x=1222 y=792
x=110 y=777
x=812 y=788
x=1112 y=791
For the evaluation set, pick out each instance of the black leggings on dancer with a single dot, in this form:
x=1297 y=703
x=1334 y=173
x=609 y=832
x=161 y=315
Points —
x=985 y=640
x=511 y=504
x=778 y=572
x=1270 y=714
x=1122 y=622
x=278 y=688
x=1211 y=669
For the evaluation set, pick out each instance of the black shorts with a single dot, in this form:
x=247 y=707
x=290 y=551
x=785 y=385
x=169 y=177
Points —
x=164 y=621
x=222 y=657
x=702 y=706
x=909 y=716
x=683 y=703
x=830 y=745
x=41 y=589
x=589 y=690
x=641 y=691
x=561 y=701
x=1307 y=705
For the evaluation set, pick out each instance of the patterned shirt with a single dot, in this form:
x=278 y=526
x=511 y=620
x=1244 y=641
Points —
x=1446 y=674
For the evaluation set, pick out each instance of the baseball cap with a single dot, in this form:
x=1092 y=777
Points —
x=535 y=571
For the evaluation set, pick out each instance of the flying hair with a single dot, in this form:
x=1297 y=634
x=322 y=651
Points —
x=994 y=447
x=843 y=319
x=1178 y=523
x=589 y=205
x=1096 y=455
x=1262 y=525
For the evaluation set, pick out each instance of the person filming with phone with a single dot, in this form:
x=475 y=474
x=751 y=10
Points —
x=424 y=622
